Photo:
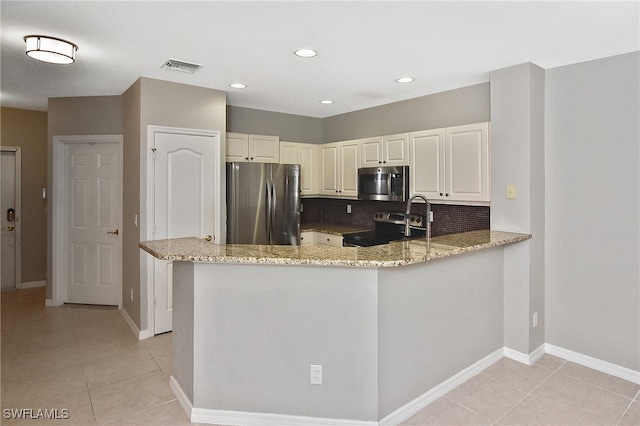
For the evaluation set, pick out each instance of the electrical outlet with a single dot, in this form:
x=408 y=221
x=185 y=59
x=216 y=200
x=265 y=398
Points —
x=131 y=295
x=316 y=375
x=535 y=319
x=430 y=216
x=349 y=208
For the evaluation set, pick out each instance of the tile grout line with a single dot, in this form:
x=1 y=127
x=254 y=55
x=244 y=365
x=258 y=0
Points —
x=554 y=371
x=628 y=407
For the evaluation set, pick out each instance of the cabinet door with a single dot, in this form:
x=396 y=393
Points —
x=237 y=147
x=329 y=169
x=308 y=160
x=308 y=238
x=427 y=163
x=349 y=160
x=288 y=153
x=264 y=149
x=467 y=162
x=395 y=150
x=328 y=239
x=371 y=152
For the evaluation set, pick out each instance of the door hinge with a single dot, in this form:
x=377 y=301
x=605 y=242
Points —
x=153 y=150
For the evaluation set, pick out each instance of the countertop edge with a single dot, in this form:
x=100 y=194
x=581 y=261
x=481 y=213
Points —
x=394 y=254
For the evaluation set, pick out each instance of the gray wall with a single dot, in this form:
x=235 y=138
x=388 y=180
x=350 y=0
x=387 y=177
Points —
x=454 y=107
x=290 y=127
x=517 y=158
x=92 y=115
x=161 y=103
x=28 y=130
x=592 y=209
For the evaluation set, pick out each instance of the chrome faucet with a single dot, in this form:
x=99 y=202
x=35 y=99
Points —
x=407 y=228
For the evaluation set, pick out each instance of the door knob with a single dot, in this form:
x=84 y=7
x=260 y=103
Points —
x=207 y=238
x=8 y=228
x=113 y=232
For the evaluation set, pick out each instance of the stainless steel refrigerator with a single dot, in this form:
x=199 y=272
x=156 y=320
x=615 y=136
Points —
x=263 y=203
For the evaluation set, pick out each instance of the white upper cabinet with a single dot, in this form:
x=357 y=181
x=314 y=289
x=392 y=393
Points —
x=451 y=164
x=392 y=150
x=252 y=148
x=339 y=163
x=305 y=154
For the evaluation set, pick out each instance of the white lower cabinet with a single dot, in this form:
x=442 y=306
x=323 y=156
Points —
x=451 y=164
x=332 y=240
x=308 y=238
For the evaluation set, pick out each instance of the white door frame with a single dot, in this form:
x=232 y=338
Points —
x=146 y=208
x=58 y=287
x=18 y=222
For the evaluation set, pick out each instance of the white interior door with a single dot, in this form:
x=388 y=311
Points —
x=183 y=204
x=8 y=219
x=92 y=218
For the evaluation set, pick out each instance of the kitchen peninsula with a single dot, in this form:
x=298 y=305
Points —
x=388 y=324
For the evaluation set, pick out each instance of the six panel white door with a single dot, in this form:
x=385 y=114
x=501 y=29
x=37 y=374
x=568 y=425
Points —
x=93 y=205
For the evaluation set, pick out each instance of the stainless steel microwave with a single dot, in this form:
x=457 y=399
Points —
x=383 y=183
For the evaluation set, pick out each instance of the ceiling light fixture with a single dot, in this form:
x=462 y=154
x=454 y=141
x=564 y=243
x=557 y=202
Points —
x=405 y=80
x=326 y=102
x=238 y=85
x=305 y=53
x=50 y=49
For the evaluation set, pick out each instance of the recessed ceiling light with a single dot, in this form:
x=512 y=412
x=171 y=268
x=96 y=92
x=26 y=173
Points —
x=238 y=85
x=305 y=53
x=405 y=80
x=326 y=102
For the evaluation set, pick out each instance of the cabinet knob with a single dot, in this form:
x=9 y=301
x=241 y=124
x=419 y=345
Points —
x=379 y=162
x=441 y=194
x=246 y=158
x=384 y=162
x=252 y=158
x=328 y=239
x=446 y=195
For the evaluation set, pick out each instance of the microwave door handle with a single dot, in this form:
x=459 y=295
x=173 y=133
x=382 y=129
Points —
x=392 y=177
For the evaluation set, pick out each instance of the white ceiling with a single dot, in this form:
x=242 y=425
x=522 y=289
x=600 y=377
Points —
x=363 y=47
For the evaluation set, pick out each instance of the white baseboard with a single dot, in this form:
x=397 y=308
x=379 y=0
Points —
x=48 y=303
x=244 y=418
x=140 y=335
x=181 y=396
x=594 y=363
x=203 y=415
x=411 y=408
x=31 y=284
x=529 y=359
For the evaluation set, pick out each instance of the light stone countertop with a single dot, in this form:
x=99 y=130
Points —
x=332 y=229
x=396 y=253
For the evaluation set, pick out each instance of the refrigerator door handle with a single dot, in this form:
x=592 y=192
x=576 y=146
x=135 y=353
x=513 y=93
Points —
x=268 y=210
x=272 y=237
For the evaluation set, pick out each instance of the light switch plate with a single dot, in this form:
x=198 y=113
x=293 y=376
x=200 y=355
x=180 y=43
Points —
x=511 y=191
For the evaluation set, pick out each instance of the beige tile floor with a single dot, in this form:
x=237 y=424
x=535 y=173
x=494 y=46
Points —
x=87 y=361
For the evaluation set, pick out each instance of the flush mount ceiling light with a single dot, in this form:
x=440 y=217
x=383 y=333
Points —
x=50 y=49
x=326 y=102
x=305 y=53
x=405 y=80
x=238 y=85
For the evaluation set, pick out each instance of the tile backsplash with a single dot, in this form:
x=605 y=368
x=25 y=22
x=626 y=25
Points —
x=447 y=219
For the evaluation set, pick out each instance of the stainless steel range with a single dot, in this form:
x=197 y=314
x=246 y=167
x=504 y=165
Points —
x=389 y=226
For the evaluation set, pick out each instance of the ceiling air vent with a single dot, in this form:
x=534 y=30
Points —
x=172 y=64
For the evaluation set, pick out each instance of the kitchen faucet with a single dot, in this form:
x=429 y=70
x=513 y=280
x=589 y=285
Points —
x=407 y=229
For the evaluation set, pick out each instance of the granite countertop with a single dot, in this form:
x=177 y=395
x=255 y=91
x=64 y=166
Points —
x=331 y=229
x=396 y=253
